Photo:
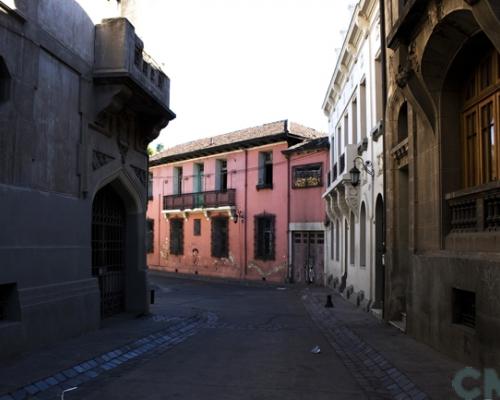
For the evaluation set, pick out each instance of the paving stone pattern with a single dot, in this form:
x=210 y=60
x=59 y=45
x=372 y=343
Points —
x=374 y=373
x=51 y=387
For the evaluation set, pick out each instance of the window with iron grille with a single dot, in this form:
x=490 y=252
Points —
x=264 y=226
x=221 y=175
x=305 y=176
x=177 y=236
x=197 y=227
x=150 y=186
x=150 y=234
x=464 y=308
x=220 y=243
x=265 y=170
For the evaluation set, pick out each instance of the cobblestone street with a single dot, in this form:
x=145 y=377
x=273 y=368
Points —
x=216 y=340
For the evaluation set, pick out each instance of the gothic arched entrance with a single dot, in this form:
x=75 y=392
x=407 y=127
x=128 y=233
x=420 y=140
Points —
x=108 y=249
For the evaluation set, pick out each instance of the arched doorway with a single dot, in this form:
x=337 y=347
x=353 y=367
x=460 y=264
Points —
x=379 y=254
x=108 y=249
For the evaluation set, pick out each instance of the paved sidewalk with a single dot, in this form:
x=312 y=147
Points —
x=121 y=341
x=385 y=362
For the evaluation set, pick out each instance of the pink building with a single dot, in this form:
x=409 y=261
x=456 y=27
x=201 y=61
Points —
x=243 y=205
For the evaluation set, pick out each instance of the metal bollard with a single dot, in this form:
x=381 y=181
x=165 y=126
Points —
x=329 y=302
x=152 y=296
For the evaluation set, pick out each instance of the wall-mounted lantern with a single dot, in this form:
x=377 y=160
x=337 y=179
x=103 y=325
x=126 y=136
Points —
x=355 y=172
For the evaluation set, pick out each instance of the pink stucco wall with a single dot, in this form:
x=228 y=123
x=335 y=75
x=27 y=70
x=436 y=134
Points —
x=306 y=204
x=243 y=175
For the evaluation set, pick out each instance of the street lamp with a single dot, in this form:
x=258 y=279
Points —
x=238 y=215
x=355 y=172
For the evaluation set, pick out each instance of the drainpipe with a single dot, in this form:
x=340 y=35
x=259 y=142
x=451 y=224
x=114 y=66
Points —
x=245 y=213
x=383 y=55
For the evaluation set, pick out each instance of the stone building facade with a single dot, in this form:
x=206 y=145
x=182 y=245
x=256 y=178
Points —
x=79 y=102
x=354 y=107
x=241 y=205
x=443 y=183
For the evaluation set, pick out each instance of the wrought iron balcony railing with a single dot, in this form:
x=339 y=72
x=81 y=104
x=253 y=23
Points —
x=190 y=201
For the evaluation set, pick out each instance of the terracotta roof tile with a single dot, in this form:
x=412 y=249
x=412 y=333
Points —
x=262 y=131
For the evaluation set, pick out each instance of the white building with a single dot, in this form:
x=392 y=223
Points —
x=354 y=106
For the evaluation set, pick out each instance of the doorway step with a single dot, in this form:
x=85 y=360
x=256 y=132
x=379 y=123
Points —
x=400 y=324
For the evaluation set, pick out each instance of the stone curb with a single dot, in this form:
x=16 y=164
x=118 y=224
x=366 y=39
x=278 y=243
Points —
x=51 y=387
x=377 y=376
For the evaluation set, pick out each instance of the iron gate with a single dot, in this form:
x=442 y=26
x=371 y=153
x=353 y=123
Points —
x=108 y=236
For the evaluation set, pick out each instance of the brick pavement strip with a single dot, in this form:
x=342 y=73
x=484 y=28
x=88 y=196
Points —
x=373 y=372
x=51 y=387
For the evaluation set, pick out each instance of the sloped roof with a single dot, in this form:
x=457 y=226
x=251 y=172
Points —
x=244 y=138
x=311 y=144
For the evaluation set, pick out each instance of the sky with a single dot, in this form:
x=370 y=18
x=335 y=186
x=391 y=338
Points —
x=235 y=64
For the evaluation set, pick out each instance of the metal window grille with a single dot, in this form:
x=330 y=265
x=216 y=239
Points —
x=264 y=239
x=197 y=227
x=220 y=242
x=150 y=232
x=176 y=236
x=307 y=176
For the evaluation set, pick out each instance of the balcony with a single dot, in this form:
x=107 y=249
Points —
x=345 y=163
x=475 y=210
x=121 y=63
x=204 y=201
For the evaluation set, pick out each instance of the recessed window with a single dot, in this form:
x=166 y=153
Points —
x=403 y=122
x=305 y=176
x=352 y=238
x=464 y=308
x=9 y=303
x=221 y=175
x=265 y=170
x=150 y=186
x=4 y=82
x=362 y=236
x=197 y=227
x=150 y=231
x=177 y=180
x=177 y=236
x=264 y=226
x=220 y=242
x=337 y=240
x=480 y=134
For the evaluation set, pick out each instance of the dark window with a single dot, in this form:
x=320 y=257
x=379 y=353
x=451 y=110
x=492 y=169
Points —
x=197 y=227
x=4 y=81
x=9 y=303
x=464 y=307
x=150 y=234
x=221 y=177
x=177 y=180
x=479 y=124
x=177 y=236
x=352 y=237
x=150 y=186
x=332 y=243
x=264 y=237
x=305 y=176
x=265 y=170
x=337 y=240
x=403 y=122
x=220 y=245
